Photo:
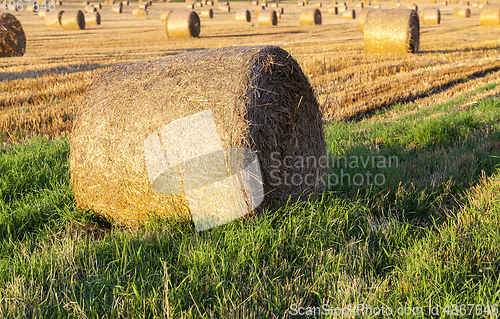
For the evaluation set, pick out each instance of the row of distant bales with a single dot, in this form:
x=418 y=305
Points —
x=385 y=30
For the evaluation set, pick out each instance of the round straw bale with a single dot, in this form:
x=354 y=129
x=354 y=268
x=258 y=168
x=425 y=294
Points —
x=433 y=1
x=41 y=13
x=432 y=16
x=475 y=5
x=392 y=31
x=145 y=6
x=224 y=3
x=13 y=7
x=73 y=20
x=225 y=8
x=455 y=12
x=126 y=3
x=255 y=2
x=413 y=7
x=164 y=16
x=190 y=6
x=464 y=3
x=376 y=6
x=140 y=13
x=85 y=3
x=58 y=3
x=278 y=14
x=210 y=3
x=31 y=7
x=243 y=16
x=258 y=10
x=267 y=18
x=464 y=13
x=310 y=17
x=263 y=3
x=92 y=18
x=207 y=13
x=183 y=24
x=117 y=8
x=90 y=9
x=362 y=18
x=274 y=5
x=97 y=5
x=12 y=37
x=318 y=5
x=111 y=171
x=198 y=5
x=489 y=15
x=360 y=5
x=333 y=10
x=53 y=19
x=349 y=14
x=333 y=2
x=341 y=9
x=301 y=3
x=444 y=3
x=398 y=4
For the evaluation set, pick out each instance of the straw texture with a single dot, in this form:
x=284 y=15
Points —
x=90 y=9
x=41 y=13
x=53 y=19
x=310 y=17
x=349 y=14
x=207 y=13
x=225 y=8
x=117 y=8
x=362 y=18
x=164 y=16
x=489 y=15
x=258 y=109
x=392 y=31
x=183 y=24
x=267 y=18
x=432 y=16
x=73 y=20
x=31 y=7
x=464 y=13
x=92 y=18
x=332 y=10
x=12 y=37
x=243 y=16
x=140 y=13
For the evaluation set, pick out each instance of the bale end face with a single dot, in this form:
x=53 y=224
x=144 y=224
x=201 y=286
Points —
x=12 y=37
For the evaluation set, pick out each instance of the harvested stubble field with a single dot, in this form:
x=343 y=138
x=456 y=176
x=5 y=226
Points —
x=428 y=236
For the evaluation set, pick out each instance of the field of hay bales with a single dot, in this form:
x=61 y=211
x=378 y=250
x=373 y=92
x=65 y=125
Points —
x=425 y=241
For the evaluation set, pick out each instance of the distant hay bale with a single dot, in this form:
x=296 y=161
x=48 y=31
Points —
x=207 y=13
x=489 y=15
x=464 y=3
x=432 y=16
x=125 y=3
x=198 y=5
x=263 y=3
x=41 y=13
x=210 y=3
x=13 y=7
x=376 y=6
x=31 y=7
x=475 y=5
x=444 y=3
x=413 y=7
x=116 y=164
x=455 y=12
x=333 y=10
x=267 y=18
x=349 y=14
x=190 y=6
x=117 y=8
x=310 y=17
x=58 y=3
x=53 y=19
x=140 y=13
x=258 y=10
x=398 y=4
x=164 y=16
x=301 y=3
x=73 y=20
x=183 y=24
x=92 y=18
x=12 y=36
x=333 y=2
x=274 y=5
x=481 y=5
x=464 y=13
x=145 y=6
x=360 y=5
x=255 y=2
x=90 y=9
x=341 y=9
x=243 y=16
x=225 y=8
x=392 y=31
x=97 y=5
x=85 y=3
x=318 y=5
x=362 y=18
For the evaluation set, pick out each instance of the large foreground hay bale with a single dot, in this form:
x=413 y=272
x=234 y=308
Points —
x=53 y=19
x=267 y=107
x=489 y=15
x=92 y=18
x=164 y=16
x=310 y=17
x=349 y=14
x=362 y=18
x=243 y=16
x=73 y=20
x=464 y=13
x=267 y=18
x=183 y=24
x=207 y=13
x=432 y=16
x=12 y=37
x=392 y=31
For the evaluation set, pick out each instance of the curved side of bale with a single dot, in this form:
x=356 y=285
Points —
x=455 y=12
x=489 y=15
x=53 y=19
x=164 y=16
x=464 y=13
x=225 y=8
x=12 y=37
x=267 y=18
x=126 y=3
x=258 y=10
x=342 y=9
x=432 y=16
x=207 y=13
x=73 y=20
x=318 y=5
x=243 y=16
x=362 y=18
x=257 y=110
x=183 y=24
x=90 y=9
x=41 y=13
x=92 y=18
x=392 y=31
x=360 y=5
x=333 y=10
x=349 y=14
x=117 y=8
x=310 y=17
x=140 y=13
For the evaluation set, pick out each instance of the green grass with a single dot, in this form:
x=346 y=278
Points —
x=429 y=235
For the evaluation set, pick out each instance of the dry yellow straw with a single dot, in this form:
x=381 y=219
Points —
x=349 y=14
x=207 y=13
x=267 y=18
x=310 y=17
x=464 y=13
x=362 y=18
x=117 y=8
x=183 y=24
x=12 y=36
x=489 y=15
x=164 y=16
x=53 y=19
x=73 y=20
x=432 y=16
x=92 y=18
x=332 y=10
x=242 y=16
